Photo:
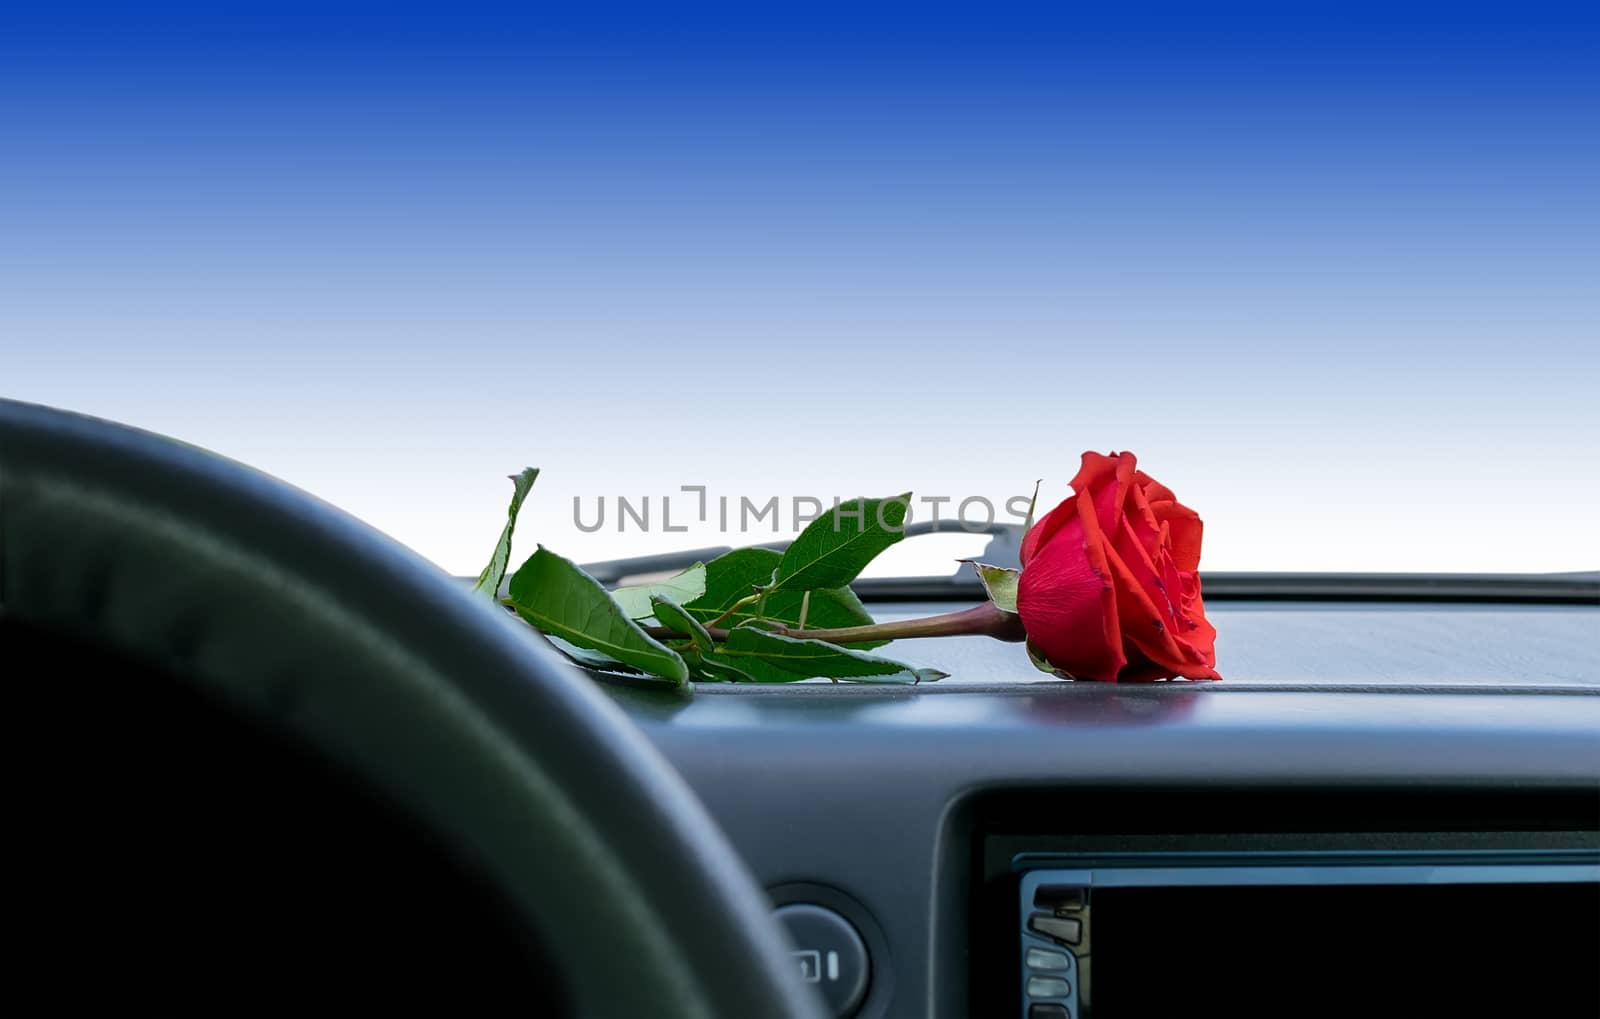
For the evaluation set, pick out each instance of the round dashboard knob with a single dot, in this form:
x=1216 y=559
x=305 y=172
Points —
x=830 y=954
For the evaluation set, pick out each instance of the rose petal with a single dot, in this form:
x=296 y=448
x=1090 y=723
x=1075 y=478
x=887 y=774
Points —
x=1148 y=618
x=1046 y=526
x=1154 y=490
x=1200 y=635
x=1110 y=589
x=1142 y=670
x=1067 y=603
x=1187 y=531
x=1095 y=471
x=1148 y=529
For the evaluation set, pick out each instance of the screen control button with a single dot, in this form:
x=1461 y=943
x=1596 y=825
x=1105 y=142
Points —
x=1048 y=959
x=1061 y=898
x=1048 y=1011
x=1066 y=929
x=1048 y=987
x=829 y=954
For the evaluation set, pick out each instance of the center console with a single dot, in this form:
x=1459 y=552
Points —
x=1096 y=905
x=1313 y=934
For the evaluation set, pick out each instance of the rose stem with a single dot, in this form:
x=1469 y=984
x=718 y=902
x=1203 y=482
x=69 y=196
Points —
x=979 y=621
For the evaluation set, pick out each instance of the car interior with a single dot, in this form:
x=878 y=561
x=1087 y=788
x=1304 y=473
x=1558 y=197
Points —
x=1018 y=510
x=262 y=758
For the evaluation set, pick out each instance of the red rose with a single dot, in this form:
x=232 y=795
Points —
x=1109 y=588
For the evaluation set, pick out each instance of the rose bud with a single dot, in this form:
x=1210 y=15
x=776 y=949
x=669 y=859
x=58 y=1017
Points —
x=1110 y=588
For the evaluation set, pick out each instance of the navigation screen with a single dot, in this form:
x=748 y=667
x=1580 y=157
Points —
x=1390 y=950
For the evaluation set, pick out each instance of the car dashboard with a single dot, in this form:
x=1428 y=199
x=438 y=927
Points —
x=1416 y=737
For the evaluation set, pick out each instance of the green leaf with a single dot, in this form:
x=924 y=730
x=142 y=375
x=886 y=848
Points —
x=733 y=575
x=489 y=580
x=1001 y=584
x=554 y=595
x=836 y=546
x=774 y=658
x=1042 y=664
x=681 y=587
x=831 y=608
x=670 y=614
x=591 y=659
x=1027 y=524
x=713 y=669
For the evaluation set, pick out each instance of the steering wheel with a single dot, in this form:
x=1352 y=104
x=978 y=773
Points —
x=137 y=570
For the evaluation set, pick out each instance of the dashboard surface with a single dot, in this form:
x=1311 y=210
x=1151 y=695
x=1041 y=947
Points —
x=1339 y=726
x=1338 y=643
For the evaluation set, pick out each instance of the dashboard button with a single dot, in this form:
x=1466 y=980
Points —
x=1048 y=987
x=1048 y=959
x=1062 y=928
x=1048 y=1011
x=829 y=954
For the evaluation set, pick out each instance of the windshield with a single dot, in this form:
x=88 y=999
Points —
x=1329 y=270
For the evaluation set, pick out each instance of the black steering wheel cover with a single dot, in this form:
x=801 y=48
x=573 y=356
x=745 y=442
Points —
x=323 y=628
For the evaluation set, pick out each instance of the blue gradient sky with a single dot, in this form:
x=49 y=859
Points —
x=1331 y=270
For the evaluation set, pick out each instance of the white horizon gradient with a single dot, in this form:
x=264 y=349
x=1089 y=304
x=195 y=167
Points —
x=424 y=461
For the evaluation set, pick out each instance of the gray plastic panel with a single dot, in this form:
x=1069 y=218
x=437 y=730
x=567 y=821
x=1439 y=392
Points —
x=855 y=788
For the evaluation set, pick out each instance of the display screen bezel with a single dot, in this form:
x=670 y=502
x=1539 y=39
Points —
x=1044 y=876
